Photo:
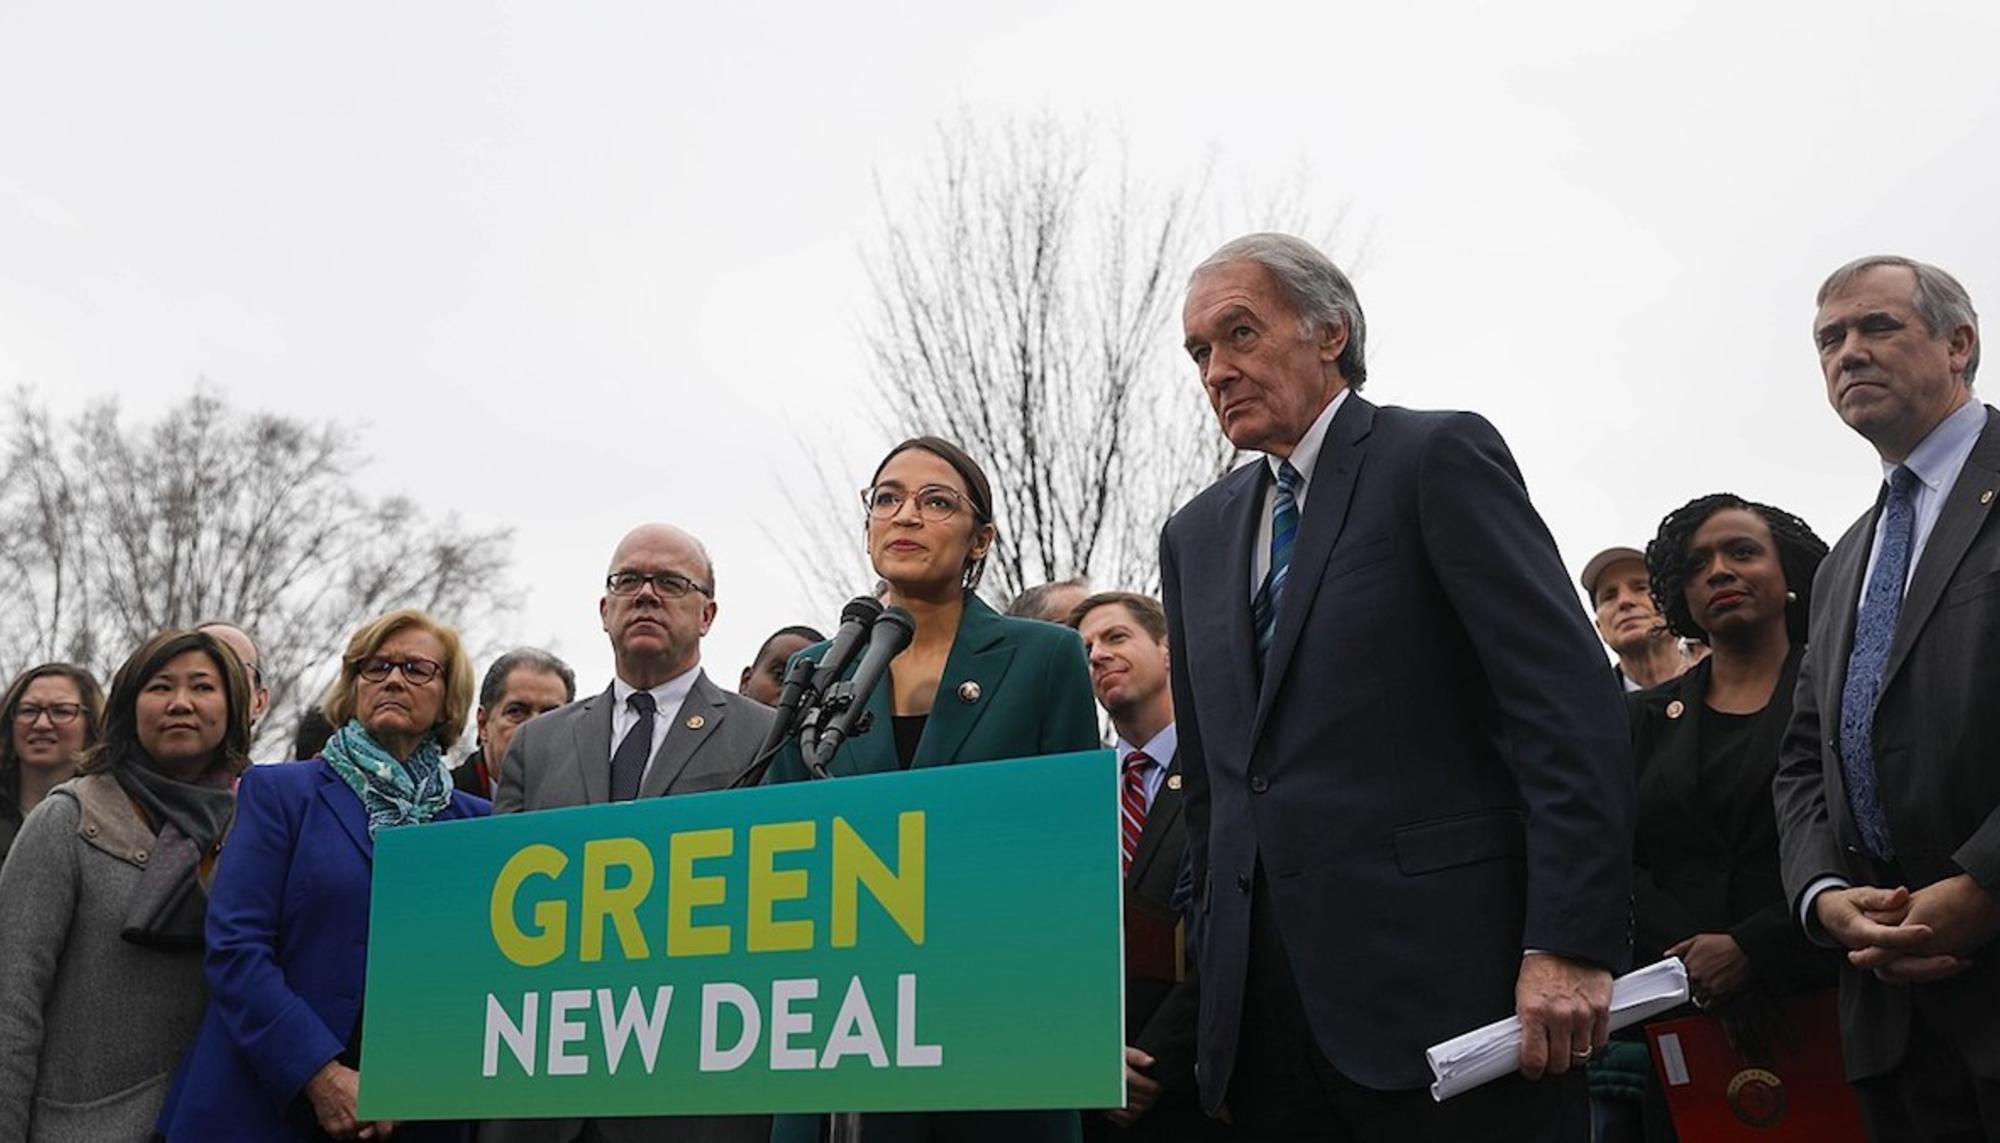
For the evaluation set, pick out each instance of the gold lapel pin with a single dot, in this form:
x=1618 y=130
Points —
x=1173 y=781
x=968 y=691
x=696 y=722
x=1986 y=497
x=1675 y=709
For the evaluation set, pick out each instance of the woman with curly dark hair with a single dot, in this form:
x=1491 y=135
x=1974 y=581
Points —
x=1737 y=576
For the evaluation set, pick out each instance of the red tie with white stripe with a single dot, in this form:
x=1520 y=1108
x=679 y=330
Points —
x=1132 y=805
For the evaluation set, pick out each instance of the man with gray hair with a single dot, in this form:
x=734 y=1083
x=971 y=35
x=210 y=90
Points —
x=1408 y=791
x=1051 y=602
x=520 y=684
x=1887 y=792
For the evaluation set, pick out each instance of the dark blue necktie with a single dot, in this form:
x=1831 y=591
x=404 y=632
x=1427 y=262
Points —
x=1874 y=631
x=628 y=762
x=1284 y=530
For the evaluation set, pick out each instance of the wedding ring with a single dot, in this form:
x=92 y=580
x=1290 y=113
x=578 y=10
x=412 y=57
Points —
x=1583 y=1055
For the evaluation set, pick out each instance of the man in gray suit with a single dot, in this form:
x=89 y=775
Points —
x=660 y=728
x=1887 y=792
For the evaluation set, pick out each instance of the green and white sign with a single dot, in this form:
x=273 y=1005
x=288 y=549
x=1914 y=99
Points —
x=945 y=938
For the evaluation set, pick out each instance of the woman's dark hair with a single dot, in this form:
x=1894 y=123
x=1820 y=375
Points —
x=1799 y=554
x=121 y=718
x=978 y=489
x=87 y=690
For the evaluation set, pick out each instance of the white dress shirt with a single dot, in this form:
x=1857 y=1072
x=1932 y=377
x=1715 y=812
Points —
x=1936 y=462
x=1159 y=751
x=1305 y=455
x=667 y=697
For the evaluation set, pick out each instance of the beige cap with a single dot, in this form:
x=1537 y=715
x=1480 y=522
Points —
x=1605 y=559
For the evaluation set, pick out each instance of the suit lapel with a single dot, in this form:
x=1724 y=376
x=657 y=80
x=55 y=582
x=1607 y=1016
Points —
x=1241 y=508
x=347 y=810
x=593 y=747
x=1160 y=819
x=684 y=737
x=979 y=656
x=1327 y=499
x=1965 y=508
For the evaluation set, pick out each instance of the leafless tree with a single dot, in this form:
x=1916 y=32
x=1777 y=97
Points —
x=1025 y=303
x=117 y=530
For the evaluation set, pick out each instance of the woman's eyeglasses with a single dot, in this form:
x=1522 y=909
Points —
x=60 y=713
x=935 y=502
x=416 y=672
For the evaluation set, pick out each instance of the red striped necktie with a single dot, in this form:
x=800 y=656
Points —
x=1132 y=805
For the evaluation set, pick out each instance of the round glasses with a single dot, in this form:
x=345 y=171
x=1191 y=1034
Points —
x=935 y=502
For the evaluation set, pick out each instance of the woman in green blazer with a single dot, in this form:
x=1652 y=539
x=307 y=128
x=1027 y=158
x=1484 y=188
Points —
x=973 y=686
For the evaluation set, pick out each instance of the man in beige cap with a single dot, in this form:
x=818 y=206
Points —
x=1615 y=582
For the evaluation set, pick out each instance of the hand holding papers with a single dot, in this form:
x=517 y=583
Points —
x=1485 y=1054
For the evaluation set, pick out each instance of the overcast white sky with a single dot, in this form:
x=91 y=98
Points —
x=579 y=266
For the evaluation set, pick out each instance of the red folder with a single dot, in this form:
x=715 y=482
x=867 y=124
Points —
x=1717 y=1096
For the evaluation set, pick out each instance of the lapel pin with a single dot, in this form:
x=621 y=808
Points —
x=696 y=722
x=968 y=691
x=1675 y=709
x=1173 y=781
x=1986 y=497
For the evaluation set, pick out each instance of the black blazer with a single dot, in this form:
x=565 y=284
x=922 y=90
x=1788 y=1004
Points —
x=1937 y=759
x=1706 y=858
x=1431 y=766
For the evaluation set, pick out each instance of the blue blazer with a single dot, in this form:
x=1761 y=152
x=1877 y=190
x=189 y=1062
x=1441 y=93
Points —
x=287 y=948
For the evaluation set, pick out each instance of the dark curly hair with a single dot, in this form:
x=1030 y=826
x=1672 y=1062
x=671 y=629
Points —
x=1799 y=552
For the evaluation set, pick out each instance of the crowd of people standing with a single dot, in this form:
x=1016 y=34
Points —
x=1377 y=782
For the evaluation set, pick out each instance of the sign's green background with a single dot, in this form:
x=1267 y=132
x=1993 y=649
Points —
x=1019 y=977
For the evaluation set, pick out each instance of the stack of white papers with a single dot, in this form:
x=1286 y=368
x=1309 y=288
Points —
x=1485 y=1054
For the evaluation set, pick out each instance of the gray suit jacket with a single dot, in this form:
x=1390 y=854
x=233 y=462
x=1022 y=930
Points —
x=1936 y=732
x=563 y=758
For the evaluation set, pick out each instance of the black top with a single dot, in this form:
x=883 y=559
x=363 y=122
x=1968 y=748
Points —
x=1725 y=752
x=909 y=730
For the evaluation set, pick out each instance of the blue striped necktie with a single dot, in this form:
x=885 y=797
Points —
x=1874 y=631
x=1284 y=531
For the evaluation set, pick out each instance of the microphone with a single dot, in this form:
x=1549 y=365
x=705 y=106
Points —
x=805 y=677
x=886 y=640
x=856 y=619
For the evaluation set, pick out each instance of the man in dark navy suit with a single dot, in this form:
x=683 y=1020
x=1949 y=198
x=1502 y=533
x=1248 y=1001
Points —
x=1409 y=802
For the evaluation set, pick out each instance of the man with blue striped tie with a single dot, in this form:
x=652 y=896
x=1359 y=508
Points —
x=1408 y=797
x=1888 y=788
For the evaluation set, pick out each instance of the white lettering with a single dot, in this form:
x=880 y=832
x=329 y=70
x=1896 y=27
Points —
x=520 y=1037
x=909 y=1053
x=714 y=1058
x=633 y=1020
x=854 y=1031
x=564 y=1031
x=786 y=1023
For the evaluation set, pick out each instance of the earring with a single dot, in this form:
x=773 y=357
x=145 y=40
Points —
x=1791 y=597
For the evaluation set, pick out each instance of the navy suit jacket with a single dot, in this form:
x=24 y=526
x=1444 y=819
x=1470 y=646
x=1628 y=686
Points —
x=287 y=940
x=1431 y=768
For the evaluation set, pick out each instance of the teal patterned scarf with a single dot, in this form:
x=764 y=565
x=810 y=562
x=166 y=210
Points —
x=394 y=793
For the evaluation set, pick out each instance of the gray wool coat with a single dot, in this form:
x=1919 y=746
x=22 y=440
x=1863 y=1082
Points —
x=91 y=1025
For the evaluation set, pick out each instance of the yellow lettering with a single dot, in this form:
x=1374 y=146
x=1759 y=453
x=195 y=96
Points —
x=769 y=885
x=901 y=894
x=686 y=892
x=621 y=905
x=551 y=917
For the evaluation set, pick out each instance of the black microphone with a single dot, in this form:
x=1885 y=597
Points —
x=856 y=619
x=804 y=677
x=886 y=640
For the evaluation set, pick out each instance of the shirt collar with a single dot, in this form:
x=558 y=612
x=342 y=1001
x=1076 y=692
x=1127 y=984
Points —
x=1159 y=749
x=1940 y=455
x=1305 y=454
x=667 y=697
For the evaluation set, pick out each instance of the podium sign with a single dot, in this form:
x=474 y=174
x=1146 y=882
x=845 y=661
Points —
x=945 y=938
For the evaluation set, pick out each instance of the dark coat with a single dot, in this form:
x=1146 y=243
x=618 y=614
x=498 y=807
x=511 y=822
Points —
x=1937 y=731
x=1034 y=698
x=287 y=947
x=1706 y=859
x=1431 y=765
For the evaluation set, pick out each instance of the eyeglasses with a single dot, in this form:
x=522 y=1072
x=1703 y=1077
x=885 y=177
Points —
x=935 y=502
x=416 y=672
x=670 y=585
x=60 y=713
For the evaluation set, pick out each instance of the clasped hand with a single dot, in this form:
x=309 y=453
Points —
x=1565 y=1011
x=1907 y=937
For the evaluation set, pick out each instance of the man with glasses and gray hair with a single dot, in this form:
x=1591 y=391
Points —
x=660 y=728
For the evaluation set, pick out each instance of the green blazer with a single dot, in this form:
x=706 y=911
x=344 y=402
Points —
x=1012 y=688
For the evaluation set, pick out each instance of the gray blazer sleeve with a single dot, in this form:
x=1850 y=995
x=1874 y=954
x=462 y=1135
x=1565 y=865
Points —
x=38 y=892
